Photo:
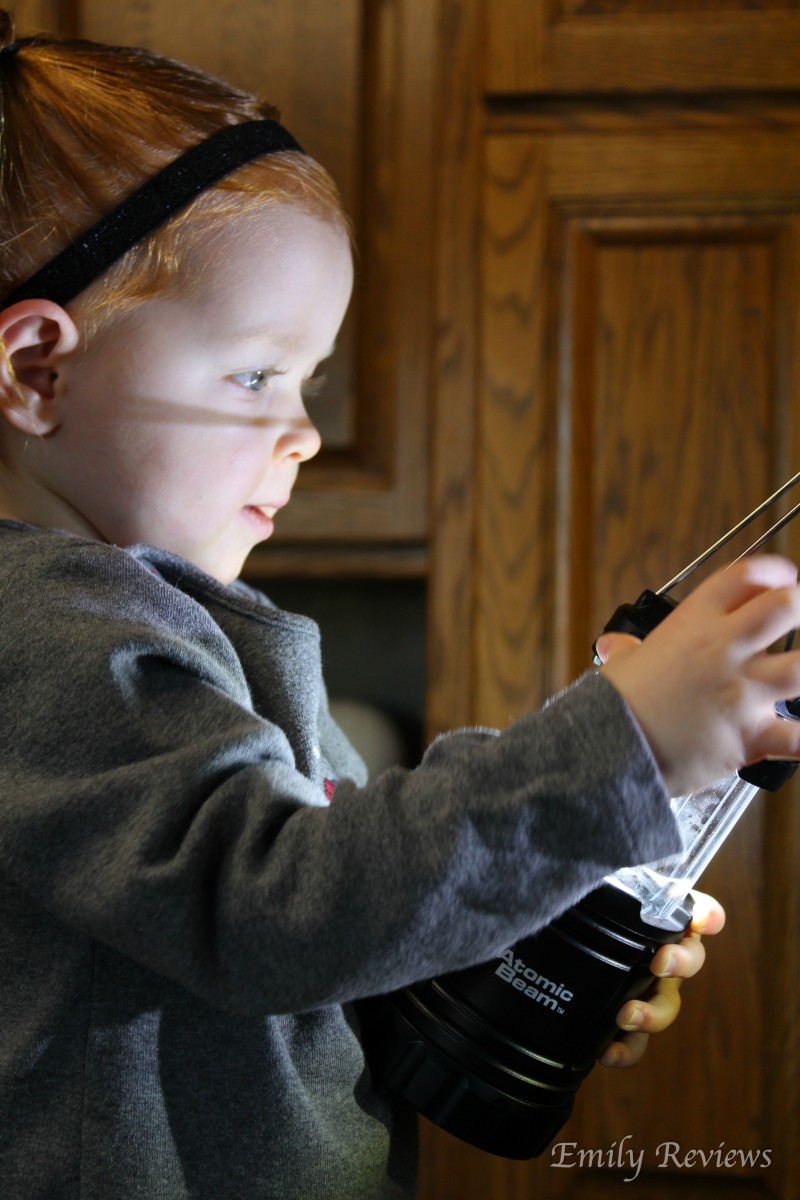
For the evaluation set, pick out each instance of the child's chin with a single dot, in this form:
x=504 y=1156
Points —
x=225 y=568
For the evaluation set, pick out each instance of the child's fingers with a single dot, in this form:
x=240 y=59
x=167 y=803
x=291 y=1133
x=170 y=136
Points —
x=778 y=672
x=654 y=1014
x=625 y=1050
x=739 y=583
x=708 y=916
x=765 y=618
x=758 y=597
x=681 y=960
x=609 y=644
x=660 y=1007
x=781 y=741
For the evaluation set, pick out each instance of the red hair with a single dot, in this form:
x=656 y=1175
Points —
x=82 y=125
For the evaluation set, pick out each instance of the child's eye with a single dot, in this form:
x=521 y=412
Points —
x=254 y=381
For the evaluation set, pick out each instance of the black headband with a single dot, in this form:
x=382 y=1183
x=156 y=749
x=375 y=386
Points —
x=168 y=191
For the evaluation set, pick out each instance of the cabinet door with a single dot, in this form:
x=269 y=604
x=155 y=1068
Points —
x=354 y=83
x=641 y=45
x=640 y=377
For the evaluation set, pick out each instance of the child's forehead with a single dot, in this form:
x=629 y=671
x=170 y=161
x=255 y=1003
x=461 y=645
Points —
x=274 y=238
x=274 y=224
x=277 y=274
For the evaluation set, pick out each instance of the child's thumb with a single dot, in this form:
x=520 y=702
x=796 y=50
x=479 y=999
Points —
x=609 y=644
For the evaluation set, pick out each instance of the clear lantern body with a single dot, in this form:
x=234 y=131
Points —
x=704 y=819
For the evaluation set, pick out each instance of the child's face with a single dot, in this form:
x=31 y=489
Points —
x=182 y=424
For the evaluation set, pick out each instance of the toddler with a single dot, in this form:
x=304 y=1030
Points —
x=196 y=879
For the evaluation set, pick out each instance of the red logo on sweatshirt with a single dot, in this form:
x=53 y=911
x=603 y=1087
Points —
x=330 y=788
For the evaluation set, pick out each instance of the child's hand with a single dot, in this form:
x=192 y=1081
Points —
x=659 y=1007
x=701 y=685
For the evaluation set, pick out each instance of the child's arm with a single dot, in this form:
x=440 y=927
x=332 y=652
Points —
x=178 y=814
x=165 y=815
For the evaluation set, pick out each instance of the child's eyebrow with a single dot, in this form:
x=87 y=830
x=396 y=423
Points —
x=286 y=341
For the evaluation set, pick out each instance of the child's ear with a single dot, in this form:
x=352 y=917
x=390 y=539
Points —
x=37 y=336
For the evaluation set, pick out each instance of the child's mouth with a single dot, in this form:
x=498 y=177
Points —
x=261 y=518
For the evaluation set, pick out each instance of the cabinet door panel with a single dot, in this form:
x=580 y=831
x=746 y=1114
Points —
x=677 y=385
x=536 y=46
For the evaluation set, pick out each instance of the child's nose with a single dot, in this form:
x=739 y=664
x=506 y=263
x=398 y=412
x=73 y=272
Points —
x=300 y=441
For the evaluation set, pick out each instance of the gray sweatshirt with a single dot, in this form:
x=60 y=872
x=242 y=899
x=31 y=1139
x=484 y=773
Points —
x=185 y=918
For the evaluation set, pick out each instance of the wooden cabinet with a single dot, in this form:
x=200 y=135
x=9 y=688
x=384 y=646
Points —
x=634 y=343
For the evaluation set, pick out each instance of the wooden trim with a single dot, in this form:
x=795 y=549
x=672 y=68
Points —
x=714 y=111
x=532 y=49
x=455 y=359
x=516 y=517
x=517 y=39
x=326 y=560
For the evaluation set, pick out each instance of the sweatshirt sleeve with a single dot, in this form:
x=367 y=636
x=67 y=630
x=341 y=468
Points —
x=146 y=804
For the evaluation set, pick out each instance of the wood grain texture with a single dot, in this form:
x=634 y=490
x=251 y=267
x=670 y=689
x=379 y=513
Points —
x=43 y=16
x=671 y=385
x=450 y=698
x=517 y=459
x=534 y=46
x=583 y=8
